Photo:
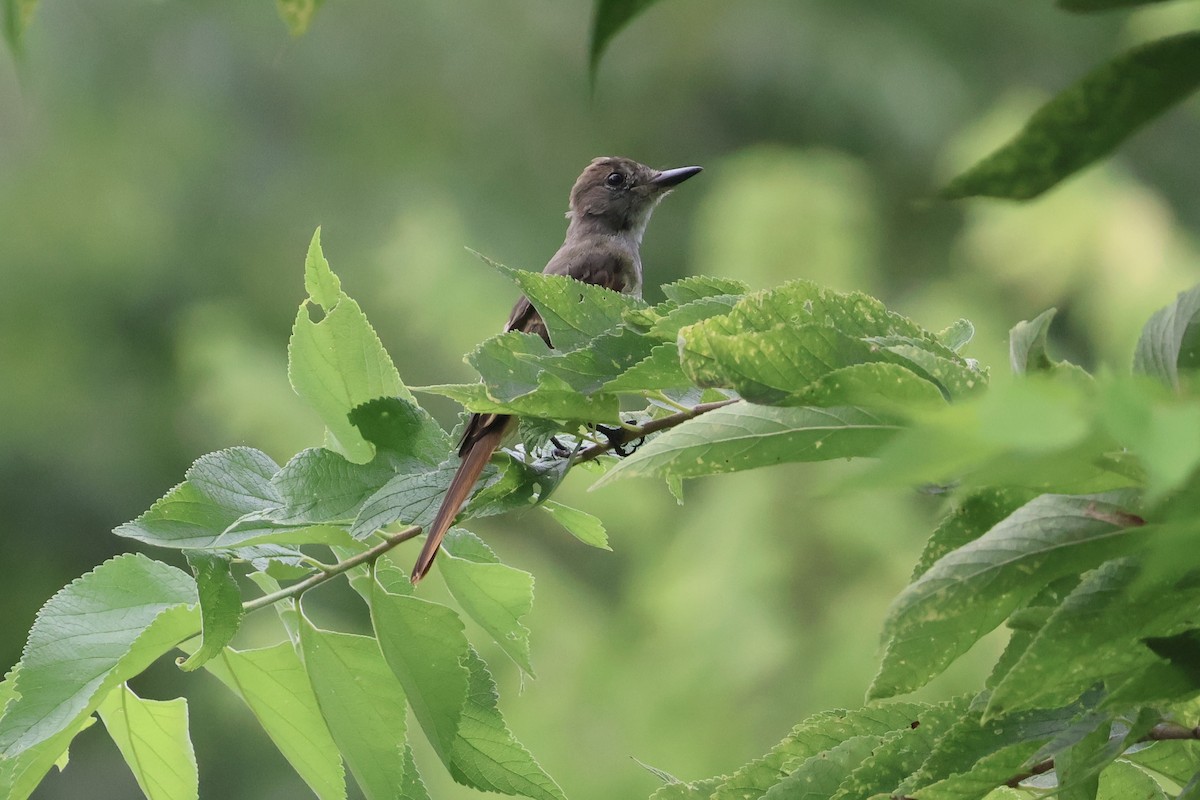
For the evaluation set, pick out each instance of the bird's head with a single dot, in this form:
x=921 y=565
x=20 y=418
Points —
x=619 y=194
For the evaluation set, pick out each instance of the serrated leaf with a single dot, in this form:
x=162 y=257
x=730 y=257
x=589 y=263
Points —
x=698 y=287
x=486 y=756
x=580 y=524
x=338 y=362
x=745 y=436
x=321 y=486
x=1087 y=121
x=552 y=398
x=238 y=479
x=659 y=370
x=696 y=790
x=411 y=499
x=574 y=312
x=273 y=684
x=958 y=335
x=424 y=644
x=1102 y=618
x=1170 y=339
x=971 y=590
x=20 y=776
x=819 y=776
x=1179 y=761
x=496 y=596
x=365 y=708
x=95 y=633
x=402 y=431
x=668 y=326
x=875 y=385
x=812 y=737
x=152 y=736
x=220 y=606
x=971 y=518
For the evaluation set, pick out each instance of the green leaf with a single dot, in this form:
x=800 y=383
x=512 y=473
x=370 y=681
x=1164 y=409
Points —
x=745 y=436
x=98 y=631
x=20 y=776
x=486 y=756
x=1087 y=121
x=402 y=430
x=958 y=335
x=820 y=776
x=273 y=684
x=424 y=645
x=1027 y=344
x=697 y=790
x=1124 y=781
x=610 y=17
x=152 y=736
x=574 y=312
x=551 y=398
x=1171 y=340
x=338 y=362
x=698 y=287
x=659 y=370
x=495 y=595
x=238 y=479
x=815 y=735
x=365 y=708
x=1102 y=618
x=668 y=326
x=411 y=499
x=1179 y=761
x=971 y=590
x=321 y=486
x=297 y=15
x=902 y=752
x=220 y=606
x=974 y=516
x=580 y=524
x=875 y=385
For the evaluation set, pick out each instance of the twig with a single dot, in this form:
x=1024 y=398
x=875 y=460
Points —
x=332 y=570
x=653 y=426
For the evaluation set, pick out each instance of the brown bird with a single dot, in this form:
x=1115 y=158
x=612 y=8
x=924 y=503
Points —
x=610 y=205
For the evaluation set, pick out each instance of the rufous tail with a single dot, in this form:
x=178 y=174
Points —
x=474 y=459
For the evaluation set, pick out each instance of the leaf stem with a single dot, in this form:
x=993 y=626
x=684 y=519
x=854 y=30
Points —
x=332 y=571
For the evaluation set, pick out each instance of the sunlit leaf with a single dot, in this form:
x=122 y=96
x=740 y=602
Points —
x=98 y=631
x=220 y=606
x=152 y=736
x=580 y=524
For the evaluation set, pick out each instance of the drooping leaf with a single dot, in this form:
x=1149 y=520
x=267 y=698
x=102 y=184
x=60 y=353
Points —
x=274 y=685
x=495 y=595
x=152 y=736
x=486 y=755
x=220 y=606
x=98 y=631
x=583 y=526
x=365 y=708
x=745 y=436
x=1087 y=121
x=424 y=644
x=971 y=590
x=19 y=776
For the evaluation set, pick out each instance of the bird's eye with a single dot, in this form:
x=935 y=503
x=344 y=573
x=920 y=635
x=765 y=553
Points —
x=615 y=179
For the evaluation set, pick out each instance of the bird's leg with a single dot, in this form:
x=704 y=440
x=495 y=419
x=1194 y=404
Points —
x=616 y=439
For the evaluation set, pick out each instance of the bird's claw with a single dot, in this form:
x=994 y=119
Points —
x=616 y=440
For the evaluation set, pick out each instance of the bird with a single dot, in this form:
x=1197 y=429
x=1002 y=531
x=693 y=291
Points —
x=610 y=205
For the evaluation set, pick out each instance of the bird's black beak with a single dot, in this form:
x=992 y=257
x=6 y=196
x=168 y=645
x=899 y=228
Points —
x=673 y=177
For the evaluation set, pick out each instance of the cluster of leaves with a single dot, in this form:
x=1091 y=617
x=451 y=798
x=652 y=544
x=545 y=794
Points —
x=832 y=375
x=1075 y=523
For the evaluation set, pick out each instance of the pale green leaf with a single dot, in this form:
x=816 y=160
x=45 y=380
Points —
x=746 y=436
x=365 y=708
x=698 y=287
x=580 y=524
x=98 y=631
x=273 y=684
x=424 y=644
x=152 y=736
x=1170 y=339
x=496 y=596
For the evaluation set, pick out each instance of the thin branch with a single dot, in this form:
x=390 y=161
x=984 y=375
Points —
x=333 y=570
x=653 y=426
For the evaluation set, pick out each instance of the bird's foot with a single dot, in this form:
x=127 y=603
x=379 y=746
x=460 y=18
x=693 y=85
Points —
x=616 y=439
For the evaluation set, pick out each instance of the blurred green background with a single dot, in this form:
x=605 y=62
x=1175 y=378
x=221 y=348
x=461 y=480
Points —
x=163 y=166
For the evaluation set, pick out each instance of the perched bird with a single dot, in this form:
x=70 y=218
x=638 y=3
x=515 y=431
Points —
x=610 y=205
